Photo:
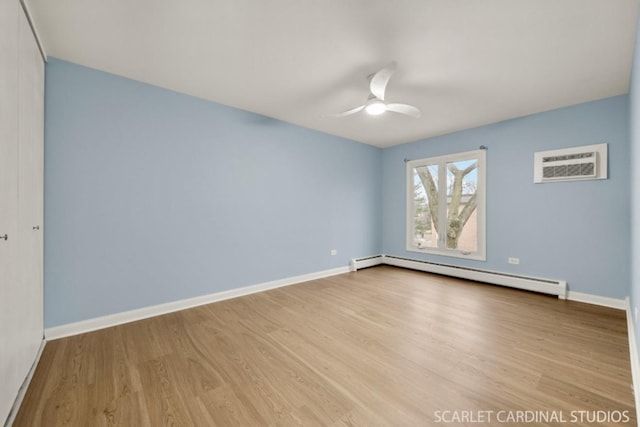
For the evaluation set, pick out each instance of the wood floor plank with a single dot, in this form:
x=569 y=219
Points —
x=380 y=347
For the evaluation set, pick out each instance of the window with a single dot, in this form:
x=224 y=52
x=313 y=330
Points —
x=446 y=205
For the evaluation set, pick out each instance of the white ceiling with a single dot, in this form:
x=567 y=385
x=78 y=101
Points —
x=464 y=63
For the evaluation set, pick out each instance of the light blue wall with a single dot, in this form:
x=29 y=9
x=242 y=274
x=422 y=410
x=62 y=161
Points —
x=575 y=231
x=634 y=133
x=152 y=196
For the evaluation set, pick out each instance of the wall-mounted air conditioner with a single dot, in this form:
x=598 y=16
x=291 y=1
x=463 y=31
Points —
x=570 y=164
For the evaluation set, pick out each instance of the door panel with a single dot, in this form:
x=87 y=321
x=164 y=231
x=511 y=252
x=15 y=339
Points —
x=30 y=193
x=21 y=196
x=9 y=313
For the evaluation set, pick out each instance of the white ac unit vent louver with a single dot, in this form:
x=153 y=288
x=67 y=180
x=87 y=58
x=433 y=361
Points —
x=577 y=163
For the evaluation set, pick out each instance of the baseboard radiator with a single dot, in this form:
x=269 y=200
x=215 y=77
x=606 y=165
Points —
x=534 y=284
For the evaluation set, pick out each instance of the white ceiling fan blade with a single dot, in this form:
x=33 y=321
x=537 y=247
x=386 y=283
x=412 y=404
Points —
x=348 y=112
x=380 y=79
x=409 y=110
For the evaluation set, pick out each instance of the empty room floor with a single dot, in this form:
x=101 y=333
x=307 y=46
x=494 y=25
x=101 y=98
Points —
x=382 y=346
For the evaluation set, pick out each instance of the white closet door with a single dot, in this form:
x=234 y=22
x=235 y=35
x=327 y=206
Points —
x=30 y=192
x=21 y=201
x=10 y=328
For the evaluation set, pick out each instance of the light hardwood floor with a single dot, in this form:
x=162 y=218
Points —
x=382 y=346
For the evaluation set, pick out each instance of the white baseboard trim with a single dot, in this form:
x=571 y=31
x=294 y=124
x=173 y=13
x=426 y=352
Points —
x=25 y=385
x=620 y=304
x=633 y=353
x=102 y=322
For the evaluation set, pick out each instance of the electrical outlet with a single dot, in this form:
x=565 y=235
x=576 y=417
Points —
x=334 y=252
x=511 y=260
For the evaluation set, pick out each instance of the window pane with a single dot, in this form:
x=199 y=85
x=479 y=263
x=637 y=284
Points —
x=446 y=194
x=462 y=223
x=425 y=205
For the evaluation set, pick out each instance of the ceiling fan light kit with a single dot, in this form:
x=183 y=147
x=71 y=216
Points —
x=375 y=107
x=375 y=104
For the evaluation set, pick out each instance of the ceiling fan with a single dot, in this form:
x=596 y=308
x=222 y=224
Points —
x=375 y=104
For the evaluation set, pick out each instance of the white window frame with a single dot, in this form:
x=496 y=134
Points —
x=441 y=161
